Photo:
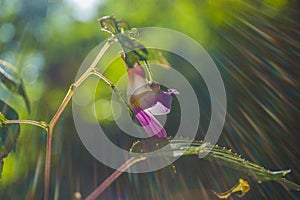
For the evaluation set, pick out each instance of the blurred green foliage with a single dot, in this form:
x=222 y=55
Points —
x=48 y=40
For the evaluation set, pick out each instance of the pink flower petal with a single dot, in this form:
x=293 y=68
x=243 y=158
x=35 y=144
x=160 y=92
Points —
x=137 y=82
x=150 y=124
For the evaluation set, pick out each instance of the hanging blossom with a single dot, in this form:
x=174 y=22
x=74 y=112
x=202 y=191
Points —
x=147 y=100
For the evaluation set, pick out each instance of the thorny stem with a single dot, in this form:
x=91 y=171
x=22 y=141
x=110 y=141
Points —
x=61 y=108
x=41 y=124
x=113 y=177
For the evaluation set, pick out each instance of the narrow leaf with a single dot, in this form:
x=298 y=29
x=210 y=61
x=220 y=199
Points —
x=11 y=79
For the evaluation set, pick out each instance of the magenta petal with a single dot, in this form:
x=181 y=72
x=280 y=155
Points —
x=150 y=124
x=162 y=107
x=143 y=118
x=156 y=102
x=163 y=103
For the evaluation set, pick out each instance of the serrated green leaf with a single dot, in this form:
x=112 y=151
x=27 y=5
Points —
x=8 y=132
x=220 y=155
x=149 y=144
x=11 y=79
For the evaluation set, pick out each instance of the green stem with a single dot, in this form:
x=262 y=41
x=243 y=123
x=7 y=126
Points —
x=150 y=74
x=40 y=124
x=115 y=89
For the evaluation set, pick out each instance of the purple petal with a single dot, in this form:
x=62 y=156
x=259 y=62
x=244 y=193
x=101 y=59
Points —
x=162 y=104
x=156 y=101
x=148 y=100
x=150 y=124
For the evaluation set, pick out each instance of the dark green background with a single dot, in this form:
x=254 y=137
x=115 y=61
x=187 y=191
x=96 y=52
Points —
x=255 y=45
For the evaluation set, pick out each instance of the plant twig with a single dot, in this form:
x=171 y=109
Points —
x=41 y=124
x=61 y=108
x=94 y=63
x=115 y=89
x=48 y=163
x=113 y=177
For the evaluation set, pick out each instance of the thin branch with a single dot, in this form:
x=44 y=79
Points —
x=49 y=138
x=113 y=177
x=115 y=89
x=40 y=124
x=61 y=108
x=48 y=163
x=94 y=63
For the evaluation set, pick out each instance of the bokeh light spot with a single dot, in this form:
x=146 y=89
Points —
x=83 y=96
x=7 y=32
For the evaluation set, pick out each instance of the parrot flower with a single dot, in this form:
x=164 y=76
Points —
x=145 y=97
x=147 y=100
